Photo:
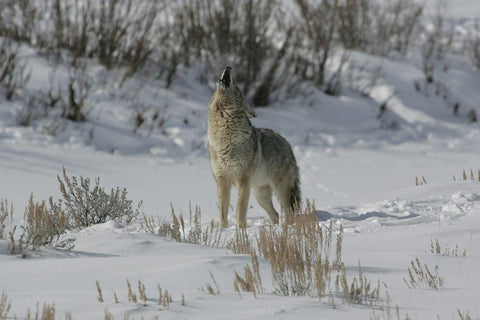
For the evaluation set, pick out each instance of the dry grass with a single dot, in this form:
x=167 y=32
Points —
x=420 y=181
x=188 y=231
x=43 y=225
x=164 y=298
x=5 y=305
x=99 y=291
x=6 y=219
x=138 y=296
x=435 y=248
x=472 y=175
x=305 y=258
x=209 y=288
x=420 y=276
x=13 y=74
x=300 y=255
x=241 y=243
x=464 y=316
x=360 y=290
x=132 y=296
x=252 y=281
x=385 y=311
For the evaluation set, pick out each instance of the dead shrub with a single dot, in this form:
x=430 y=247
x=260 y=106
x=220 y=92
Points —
x=239 y=33
x=314 y=38
x=355 y=23
x=18 y=19
x=74 y=100
x=147 y=117
x=472 y=46
x=394 y=24
x=44 y=225
x=86 y=205
x=438 y=40
x=13 y=75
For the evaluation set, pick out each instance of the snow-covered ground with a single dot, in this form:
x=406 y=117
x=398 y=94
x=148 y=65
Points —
x=359 y=168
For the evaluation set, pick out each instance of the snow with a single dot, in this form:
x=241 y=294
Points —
x=360 y=171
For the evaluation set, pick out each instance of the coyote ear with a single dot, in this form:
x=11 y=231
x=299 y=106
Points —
x=249 y=111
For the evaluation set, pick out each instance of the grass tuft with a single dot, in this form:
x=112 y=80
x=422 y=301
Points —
x=420 y=276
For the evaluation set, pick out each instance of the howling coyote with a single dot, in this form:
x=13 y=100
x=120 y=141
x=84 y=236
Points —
x=247 y=157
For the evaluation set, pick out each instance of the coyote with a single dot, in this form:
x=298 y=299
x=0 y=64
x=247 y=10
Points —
x=247 y=157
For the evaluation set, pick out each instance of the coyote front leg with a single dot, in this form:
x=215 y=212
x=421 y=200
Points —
x=243 y=187
x=223 y=194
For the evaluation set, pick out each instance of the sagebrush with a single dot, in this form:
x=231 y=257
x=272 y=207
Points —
x=86 y=204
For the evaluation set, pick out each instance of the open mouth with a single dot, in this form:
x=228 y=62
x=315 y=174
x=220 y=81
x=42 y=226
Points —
x=226 y=78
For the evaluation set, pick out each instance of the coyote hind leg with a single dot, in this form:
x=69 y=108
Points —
x=264 y=199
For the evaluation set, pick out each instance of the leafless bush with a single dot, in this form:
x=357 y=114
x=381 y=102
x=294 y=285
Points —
x=74 y=100
x=246 y=34
x=116 y=32
x=148 y=117
x=355 y=21
x=378 y=28
x=38 y=105
x=472 y=44
x=314 y=38
x=334 y=83
x=363 y=78
x=13 y=75
x=35 y=107
x=438 y=39
x=18 y=19
x=86 y=205
x=472 y=115
x=69 y=28
x=394 y=24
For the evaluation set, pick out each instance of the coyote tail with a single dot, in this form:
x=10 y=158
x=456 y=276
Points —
x=295 y=195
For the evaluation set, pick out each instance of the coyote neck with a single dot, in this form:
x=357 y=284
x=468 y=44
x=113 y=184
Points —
x=230 y=134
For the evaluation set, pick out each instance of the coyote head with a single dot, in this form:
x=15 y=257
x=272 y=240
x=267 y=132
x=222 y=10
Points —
x=229 y=93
